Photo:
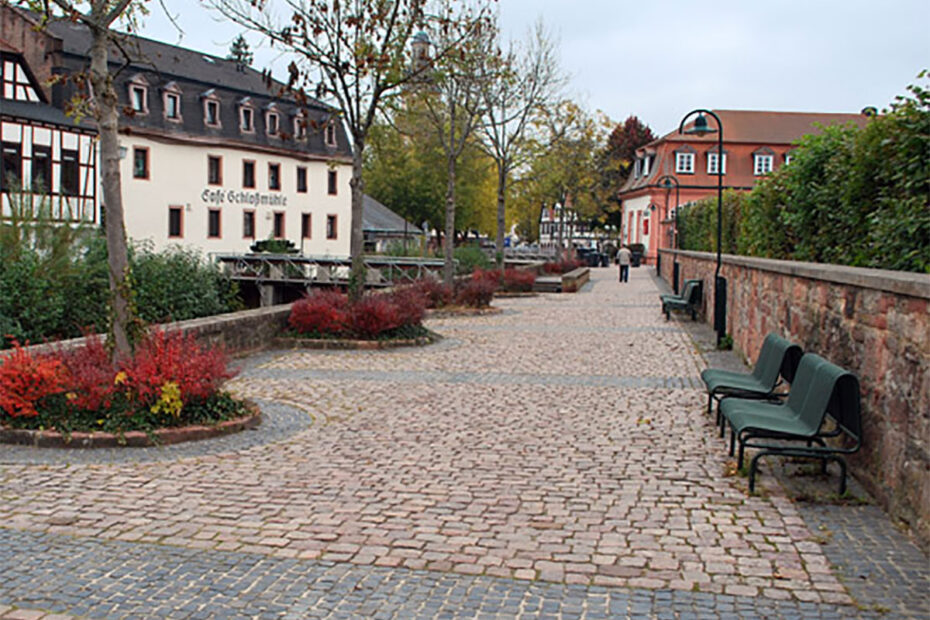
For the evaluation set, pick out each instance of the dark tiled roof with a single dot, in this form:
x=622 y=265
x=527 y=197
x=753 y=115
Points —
x=39 y=112
x=378 y=218
x=195 y=73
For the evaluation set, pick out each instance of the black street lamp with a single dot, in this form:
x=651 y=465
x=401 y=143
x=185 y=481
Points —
x=701 y=128
x=667 y=182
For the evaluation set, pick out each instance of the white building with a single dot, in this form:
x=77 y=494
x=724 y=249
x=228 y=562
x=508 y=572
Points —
x=213 y=156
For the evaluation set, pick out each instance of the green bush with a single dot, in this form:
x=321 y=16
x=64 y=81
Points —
x=470 y=257
x=55 y=285
x=177 y=284
x=850 y=196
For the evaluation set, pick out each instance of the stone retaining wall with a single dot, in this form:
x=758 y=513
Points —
x=874 y=322
x=237 y=332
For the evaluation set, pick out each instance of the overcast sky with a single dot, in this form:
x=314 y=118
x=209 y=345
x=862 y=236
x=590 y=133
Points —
x=658 y=60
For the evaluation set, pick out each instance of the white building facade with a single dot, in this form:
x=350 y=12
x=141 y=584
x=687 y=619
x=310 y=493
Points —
x=215 y=157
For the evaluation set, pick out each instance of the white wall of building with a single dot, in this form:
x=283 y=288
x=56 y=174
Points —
x=639 y=209
x=178 y=177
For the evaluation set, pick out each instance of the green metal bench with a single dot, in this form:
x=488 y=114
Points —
x=820 y=390
x=778 y=360
x=690 y=299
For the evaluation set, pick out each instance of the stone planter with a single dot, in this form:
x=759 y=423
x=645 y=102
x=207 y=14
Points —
x=132 y=439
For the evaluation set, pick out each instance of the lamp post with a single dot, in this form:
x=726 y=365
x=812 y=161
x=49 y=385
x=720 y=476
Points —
x=667 y=182
x=701 y=128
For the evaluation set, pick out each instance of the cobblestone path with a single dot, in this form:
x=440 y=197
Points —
x=549 y=461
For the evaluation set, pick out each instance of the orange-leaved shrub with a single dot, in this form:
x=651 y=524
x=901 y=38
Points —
x=174 y=357
x=26 y=379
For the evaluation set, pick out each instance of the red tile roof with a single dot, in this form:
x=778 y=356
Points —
x=766 y=127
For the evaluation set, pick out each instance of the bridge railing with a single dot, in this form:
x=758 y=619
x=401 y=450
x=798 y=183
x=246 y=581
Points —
x=262 y=268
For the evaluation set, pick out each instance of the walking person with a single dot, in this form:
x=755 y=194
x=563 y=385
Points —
x=624 y=258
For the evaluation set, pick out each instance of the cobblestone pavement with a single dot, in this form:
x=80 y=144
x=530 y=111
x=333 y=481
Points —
x=549 y=461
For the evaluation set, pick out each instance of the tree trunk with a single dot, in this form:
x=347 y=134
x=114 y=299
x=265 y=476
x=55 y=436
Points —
x=357 y=239
x=107 y=114
x=448 y=267
x=501 y=219
x=561 y=227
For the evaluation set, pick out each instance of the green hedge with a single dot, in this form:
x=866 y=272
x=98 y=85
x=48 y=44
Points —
x=850 y=196
x=48 y=293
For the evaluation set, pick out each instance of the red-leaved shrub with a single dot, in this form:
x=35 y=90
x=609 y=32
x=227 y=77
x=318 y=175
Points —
x=322 y=311
x=26 y=379
x=176 y=358
x=562 y=266
x=518 y=280
x=411 y=305
x=90 y=374
x=372 y=315
x=436 y=292
x=477 y=292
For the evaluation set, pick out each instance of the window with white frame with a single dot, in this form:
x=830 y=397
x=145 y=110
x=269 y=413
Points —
x=271 y=123
x=684 y=162
x=762 y=164
x=714 y=163
x=138 y=95
x=788 y=157
x=246 y=119
x=331 y=135
x=647 y=164
x=638 y=168
x=172 y=107
x=300 y=126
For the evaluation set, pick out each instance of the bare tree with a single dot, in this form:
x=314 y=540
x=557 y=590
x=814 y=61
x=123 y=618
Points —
x=452 y=101
x=354 y=52
x=103 y=104
x=529 y=81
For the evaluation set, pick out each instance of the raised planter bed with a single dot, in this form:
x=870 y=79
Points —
x=454 y=311
x=294 y=342
x=131 y=439
x=509 y=294
x=575 y=279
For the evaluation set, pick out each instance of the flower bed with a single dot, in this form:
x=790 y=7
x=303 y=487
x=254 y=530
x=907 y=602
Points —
x=171 y=381
x=560 y=267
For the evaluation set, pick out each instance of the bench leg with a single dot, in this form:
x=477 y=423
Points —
x=842 y=463
x=710 y=402
x=732 y=442
x=753 y=464
x=742 y=452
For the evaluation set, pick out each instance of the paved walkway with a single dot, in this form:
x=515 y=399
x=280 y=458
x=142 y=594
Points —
x=550 y=461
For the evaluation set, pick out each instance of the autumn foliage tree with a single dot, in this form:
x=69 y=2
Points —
x=357 y=54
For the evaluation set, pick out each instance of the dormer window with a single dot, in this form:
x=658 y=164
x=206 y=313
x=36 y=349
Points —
x=684 y=162
x=138 y=94
x=647 y=164
x=762 y=161
x=331 y=135
x=300 y=126
x=246 y=116
x=211 y=109
x=171 y=99
x=715 y=165
x=638 y=168
x=271 y=123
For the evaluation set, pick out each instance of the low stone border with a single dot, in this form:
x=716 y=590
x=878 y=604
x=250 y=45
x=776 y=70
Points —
x=284 y=342
x=132 y=439
x=510 y=294
x=444 y=313
x=575 y=279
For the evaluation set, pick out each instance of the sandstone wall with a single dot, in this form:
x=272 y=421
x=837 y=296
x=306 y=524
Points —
x=871 y=321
